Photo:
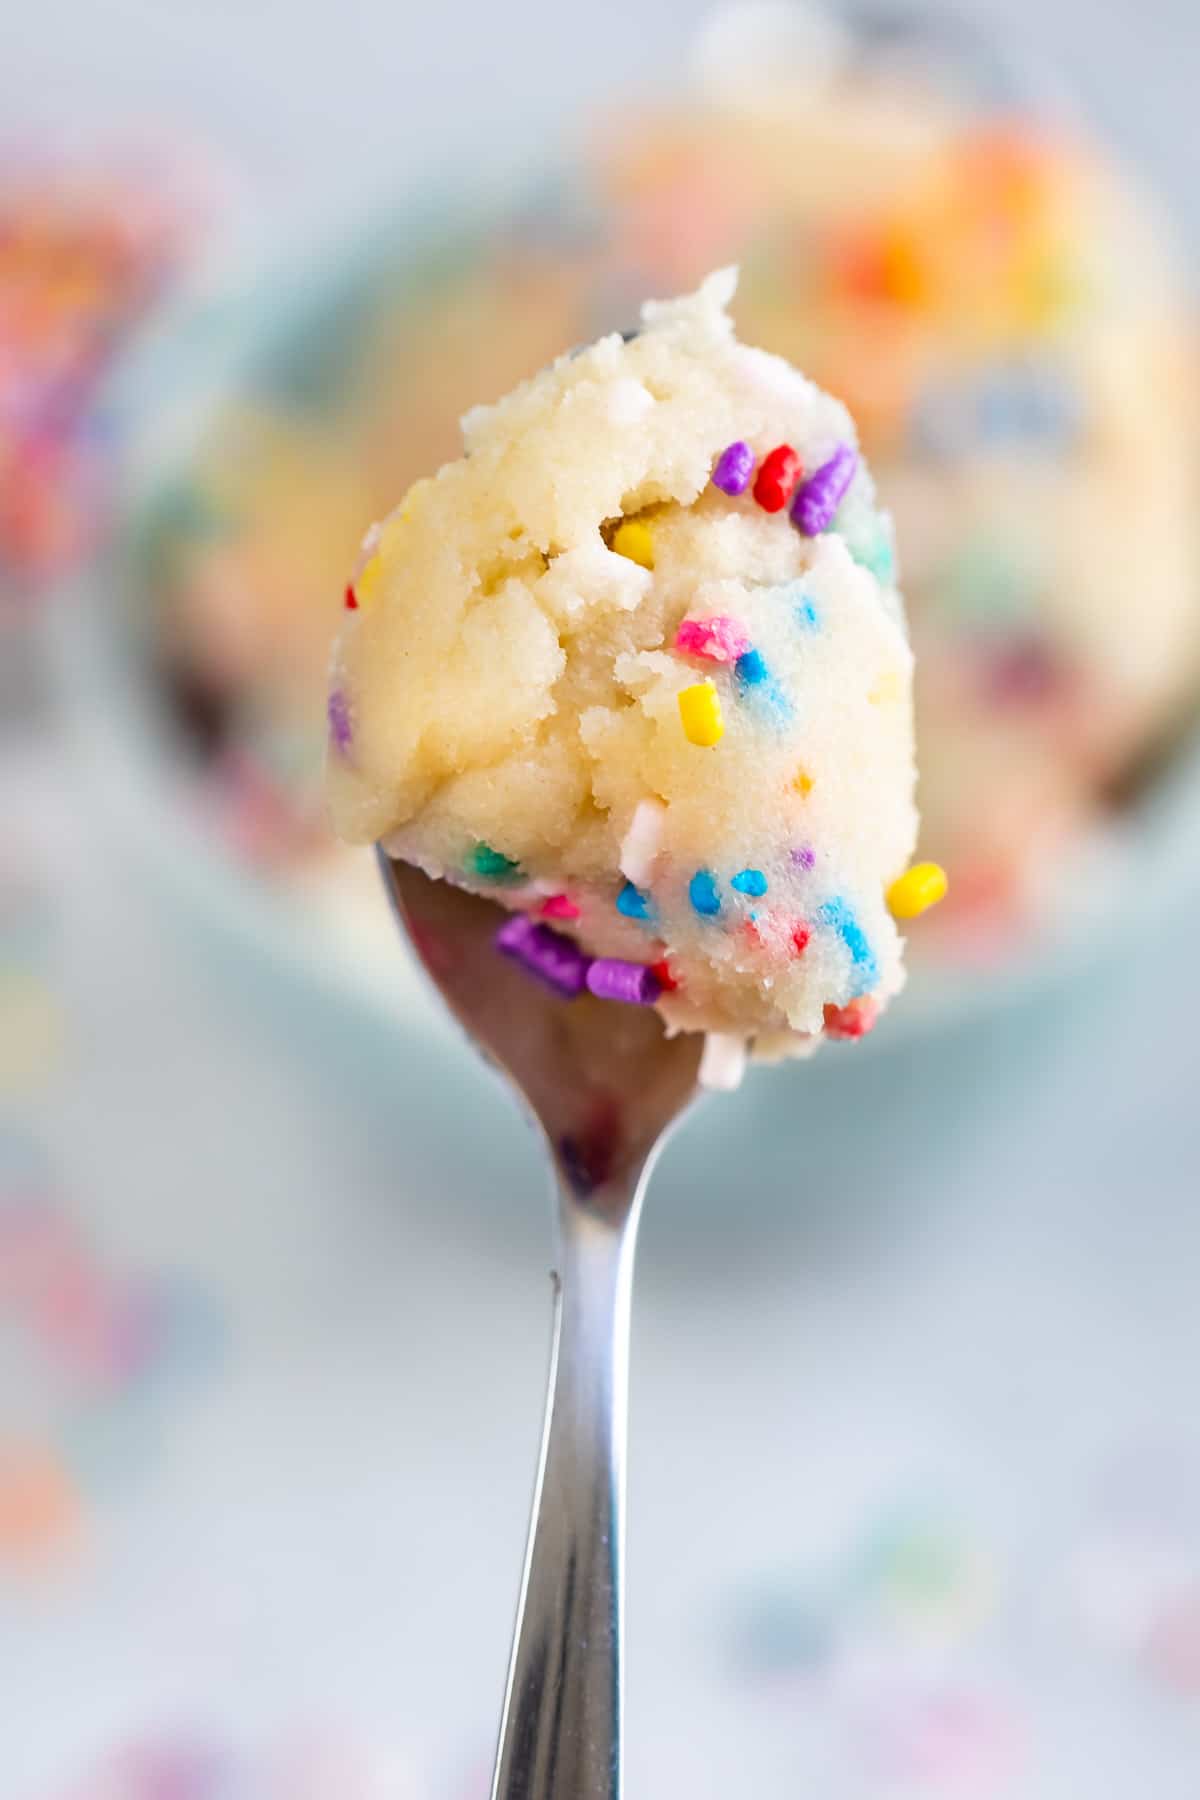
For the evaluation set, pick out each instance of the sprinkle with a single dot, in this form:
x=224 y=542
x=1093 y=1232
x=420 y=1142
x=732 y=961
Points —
x=558 y=906
x=339 y=719
x=643 y=841
x=807 y=617
x=493 y=865
x=668 y=981
x=916 y=890
x=801 y=937
x=722 y=1062
x=871 y=548
x=853 y=1020
x=367 y=580
x=818 y=498
x=611 y=978
x=351 y=599
x=750 y=668
x=802 y=782
x=734 y=467
x=633 y=904
x=703 y=893
x=700 y=712
x=719 y=639
x=633 y=539
x=839 y=915
x=750 y=881
x=554 y=959
x=805 y=856
x=781 y=470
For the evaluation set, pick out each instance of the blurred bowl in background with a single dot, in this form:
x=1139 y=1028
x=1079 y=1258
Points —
x=1001 y=312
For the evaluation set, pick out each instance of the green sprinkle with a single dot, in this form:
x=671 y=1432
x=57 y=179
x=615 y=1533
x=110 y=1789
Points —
x=493 y=865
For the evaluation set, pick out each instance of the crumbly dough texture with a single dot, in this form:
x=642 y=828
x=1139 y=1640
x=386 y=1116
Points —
x=507 y=688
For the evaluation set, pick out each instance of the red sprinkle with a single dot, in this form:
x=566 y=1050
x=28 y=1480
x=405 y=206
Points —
x=351 y=598
x=853 y=1020
x=667 y=981
x=781 y=470
x=800 y=939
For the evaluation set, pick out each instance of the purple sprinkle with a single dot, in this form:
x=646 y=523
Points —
x=804 y=857
x=735 y=466
x=818 y=498
x=609 y=978
x=553 y=958
x=339 y=719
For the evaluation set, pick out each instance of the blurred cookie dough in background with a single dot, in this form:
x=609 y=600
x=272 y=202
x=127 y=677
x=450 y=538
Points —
x=991 y=296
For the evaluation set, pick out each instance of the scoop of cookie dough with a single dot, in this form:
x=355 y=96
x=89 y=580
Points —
x=626 y=668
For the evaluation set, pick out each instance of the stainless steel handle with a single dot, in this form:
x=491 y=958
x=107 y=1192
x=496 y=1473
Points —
x=560 y=1738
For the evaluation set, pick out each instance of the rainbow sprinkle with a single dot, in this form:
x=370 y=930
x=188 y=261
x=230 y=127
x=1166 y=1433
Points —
x=853 y=1020
x=700 y=714
x=633 y=539
x=704 y=894
x=612 y=978
x=340 y=729
x=750 y=881
x=734 y=467
x=916 y=890
x=750 y=668
x=781 y=470
x=632 y=903
x=719 y=639
x=558 y=906
x=555 y=960
x=839 y=915
x=818 y=498
x=493 y=865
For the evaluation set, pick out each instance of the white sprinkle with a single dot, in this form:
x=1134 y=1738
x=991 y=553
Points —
x=367 y=548
x=723 y=1062
x=642 y=841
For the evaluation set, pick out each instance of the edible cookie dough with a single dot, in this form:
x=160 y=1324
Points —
x=636 y=668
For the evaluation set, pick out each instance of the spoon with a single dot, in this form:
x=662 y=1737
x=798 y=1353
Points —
x=605 y=1085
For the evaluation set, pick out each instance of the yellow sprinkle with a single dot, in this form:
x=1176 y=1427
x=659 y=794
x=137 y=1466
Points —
x=802 y=781
x=633 y=539
x=917 y=889
x=368 y=582
x=700 y=710
x=890 y=686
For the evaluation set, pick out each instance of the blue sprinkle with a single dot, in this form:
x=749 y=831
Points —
x=634 y=904
x=751 y=672
x=750 y=668
x=807 y=616
x=837 y=914
x=750 y=881
x=703 y=894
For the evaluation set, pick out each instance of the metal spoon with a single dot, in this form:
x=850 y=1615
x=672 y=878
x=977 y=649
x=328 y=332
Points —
x=605 y=1085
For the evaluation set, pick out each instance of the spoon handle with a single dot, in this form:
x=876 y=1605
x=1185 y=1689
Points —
x=560 y=1738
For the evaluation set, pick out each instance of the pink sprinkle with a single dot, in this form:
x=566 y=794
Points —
x=559 y=906
x=719 y=639
x=804 y=857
